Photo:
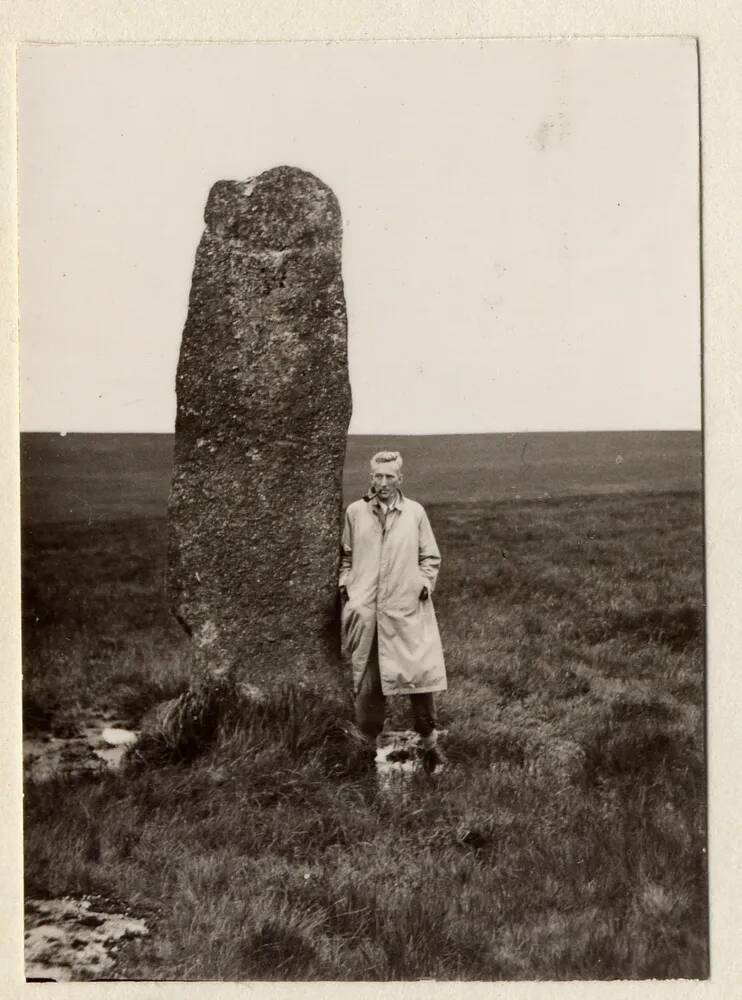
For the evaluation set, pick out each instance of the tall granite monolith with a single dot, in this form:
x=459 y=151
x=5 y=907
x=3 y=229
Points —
x=263 y=405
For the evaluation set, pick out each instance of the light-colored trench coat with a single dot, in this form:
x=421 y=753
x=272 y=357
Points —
x=384 y=572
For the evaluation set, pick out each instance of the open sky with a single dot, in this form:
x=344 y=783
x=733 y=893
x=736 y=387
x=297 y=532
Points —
x=521 y=246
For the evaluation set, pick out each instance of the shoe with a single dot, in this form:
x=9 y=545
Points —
x=432 y=759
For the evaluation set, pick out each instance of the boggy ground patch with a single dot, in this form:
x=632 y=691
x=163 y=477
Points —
x=398 y=757
x=72 y=939
x=90 y=747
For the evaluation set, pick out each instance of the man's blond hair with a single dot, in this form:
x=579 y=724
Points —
x=385 y=457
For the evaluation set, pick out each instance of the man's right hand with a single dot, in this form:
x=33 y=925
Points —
x=343 y=595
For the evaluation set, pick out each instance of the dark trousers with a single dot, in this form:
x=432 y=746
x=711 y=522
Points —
x=371 y=702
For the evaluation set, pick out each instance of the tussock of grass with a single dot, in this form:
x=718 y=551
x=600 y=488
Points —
x=179 y=729
x=565 y=839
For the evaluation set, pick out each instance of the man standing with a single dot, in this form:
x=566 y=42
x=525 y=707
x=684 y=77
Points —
x=388 y=570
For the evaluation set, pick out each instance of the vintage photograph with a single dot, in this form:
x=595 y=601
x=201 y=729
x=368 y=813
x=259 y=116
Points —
x=363 y=606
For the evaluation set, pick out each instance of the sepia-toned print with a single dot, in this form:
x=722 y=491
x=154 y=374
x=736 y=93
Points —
x=362 y=512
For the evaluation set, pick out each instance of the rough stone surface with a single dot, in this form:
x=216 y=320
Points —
x=263 y=406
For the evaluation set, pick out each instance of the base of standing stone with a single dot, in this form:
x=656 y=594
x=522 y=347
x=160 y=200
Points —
x=183 y=727
x=299 y=713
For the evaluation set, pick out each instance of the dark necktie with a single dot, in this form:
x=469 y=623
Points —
x=381 y=511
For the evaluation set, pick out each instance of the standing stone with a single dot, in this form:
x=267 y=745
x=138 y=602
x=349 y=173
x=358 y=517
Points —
x=263 y=405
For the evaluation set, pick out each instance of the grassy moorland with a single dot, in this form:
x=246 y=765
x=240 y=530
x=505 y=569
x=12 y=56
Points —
x=106 y=477
x=565 y=840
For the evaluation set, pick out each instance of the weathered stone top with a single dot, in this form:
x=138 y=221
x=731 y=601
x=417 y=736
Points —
x=263 y=210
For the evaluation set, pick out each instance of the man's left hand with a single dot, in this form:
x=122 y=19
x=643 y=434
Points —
x=424 y=595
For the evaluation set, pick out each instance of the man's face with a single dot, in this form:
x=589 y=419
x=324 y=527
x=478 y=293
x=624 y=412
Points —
x=385 y=479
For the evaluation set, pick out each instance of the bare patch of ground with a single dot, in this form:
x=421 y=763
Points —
x=93 y=747
x=398 y=757
x=72 y=939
